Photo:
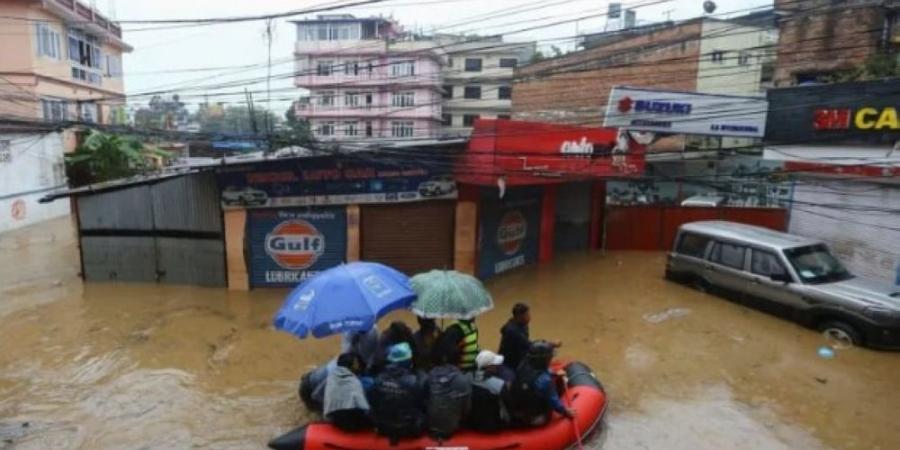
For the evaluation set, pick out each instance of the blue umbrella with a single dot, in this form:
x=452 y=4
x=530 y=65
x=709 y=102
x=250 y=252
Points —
x=344 y=298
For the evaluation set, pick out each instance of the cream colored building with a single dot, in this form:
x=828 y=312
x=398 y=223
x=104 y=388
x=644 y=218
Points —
x=60 y=60
x=736 y=59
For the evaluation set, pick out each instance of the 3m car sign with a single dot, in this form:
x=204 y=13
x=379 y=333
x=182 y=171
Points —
x=685 y=113
x=509 y=230
x=288 y=246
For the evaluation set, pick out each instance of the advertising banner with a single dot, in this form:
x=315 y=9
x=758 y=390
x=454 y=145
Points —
x=330 y=180
x=863 y=112
x=686 y=113
x=288 y=246
x=510 y=229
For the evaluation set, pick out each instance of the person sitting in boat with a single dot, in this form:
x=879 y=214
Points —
x=514 y=336
x=425 y=339
x=395 y=333
x=460 y=340
x=346 y=406
x=397 y=396
x=312 y=385
x=533 y=396
x=447 y=398
x=489 y=389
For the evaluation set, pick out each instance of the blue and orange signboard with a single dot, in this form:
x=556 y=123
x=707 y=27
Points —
x=509 y=230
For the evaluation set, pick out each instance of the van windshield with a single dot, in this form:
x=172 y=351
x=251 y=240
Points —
x=814 y=264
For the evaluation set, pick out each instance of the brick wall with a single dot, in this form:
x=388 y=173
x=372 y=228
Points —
x=574 y=88
x=823 y=36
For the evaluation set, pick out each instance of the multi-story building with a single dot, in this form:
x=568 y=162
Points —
x=477 y=79
x=698 y=55
x=61 y=61
x=820 y=39
x=365 y=81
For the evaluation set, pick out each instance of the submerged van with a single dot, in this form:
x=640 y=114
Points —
x=791 y=276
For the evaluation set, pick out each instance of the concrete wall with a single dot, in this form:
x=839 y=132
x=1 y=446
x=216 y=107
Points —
x=575 y=88
x=30 y=166
x=732 y=75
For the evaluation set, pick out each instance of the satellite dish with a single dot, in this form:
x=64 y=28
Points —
x=709 y=6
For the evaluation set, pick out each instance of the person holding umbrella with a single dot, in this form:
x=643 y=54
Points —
x=459 y=343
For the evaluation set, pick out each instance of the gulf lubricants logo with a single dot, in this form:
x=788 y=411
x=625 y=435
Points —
x=295 y=244
x=511 y=232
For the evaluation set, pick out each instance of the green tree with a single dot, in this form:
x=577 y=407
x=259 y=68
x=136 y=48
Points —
x=295 y=132
x=103 y=157
x=235 y=120
x=877 y=67
x=162 y=113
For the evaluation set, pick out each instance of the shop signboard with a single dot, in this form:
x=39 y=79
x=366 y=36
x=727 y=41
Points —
x=330 y=180
x=685 y=113
x=510 y=230
x=289 y=245
x=528 y=153
x=862 y=112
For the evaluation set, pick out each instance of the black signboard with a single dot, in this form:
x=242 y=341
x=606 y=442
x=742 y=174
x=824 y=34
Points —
x=843 y=113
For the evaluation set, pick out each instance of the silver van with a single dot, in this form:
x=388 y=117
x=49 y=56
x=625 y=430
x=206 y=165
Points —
x=791 y=276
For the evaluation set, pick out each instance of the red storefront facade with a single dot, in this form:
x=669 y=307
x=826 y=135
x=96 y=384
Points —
x=530 y=190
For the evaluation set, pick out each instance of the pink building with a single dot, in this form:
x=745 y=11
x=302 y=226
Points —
x=364 y=82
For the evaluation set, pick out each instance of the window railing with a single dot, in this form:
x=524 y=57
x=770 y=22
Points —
x=91 y=15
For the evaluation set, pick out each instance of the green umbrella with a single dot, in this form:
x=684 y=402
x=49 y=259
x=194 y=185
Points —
x=448 y=294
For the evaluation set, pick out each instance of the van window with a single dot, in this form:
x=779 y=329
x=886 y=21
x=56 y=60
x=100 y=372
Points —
x=692 y=244
x=728 y=255
x=765 y=264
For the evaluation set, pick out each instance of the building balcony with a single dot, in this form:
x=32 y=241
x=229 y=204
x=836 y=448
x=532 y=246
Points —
x=92 y=21
x=310 y=111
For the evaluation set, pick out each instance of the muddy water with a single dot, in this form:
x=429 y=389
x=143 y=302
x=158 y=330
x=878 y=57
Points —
x=106 y=366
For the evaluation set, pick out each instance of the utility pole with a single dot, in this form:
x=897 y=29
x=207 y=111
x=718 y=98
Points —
x=269 y=25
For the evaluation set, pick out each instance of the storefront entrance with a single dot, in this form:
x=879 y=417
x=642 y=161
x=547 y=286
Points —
x=573 y=217
x=411 y=237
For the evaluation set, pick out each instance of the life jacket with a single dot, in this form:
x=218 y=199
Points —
x=396 y=403
x=527 y=402
x=448 y=397
x=468 y=346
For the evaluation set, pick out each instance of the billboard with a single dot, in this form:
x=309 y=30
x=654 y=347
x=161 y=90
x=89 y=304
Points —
x=288 y=246
x=331 y=180
x=686 y=113
x=862 y=113
x=509 y=234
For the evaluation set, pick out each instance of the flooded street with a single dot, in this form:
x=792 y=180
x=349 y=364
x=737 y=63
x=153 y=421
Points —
x=106 y=366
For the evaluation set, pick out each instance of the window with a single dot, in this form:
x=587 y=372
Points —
x=692 y=244
x=729 y=255
x=351 y=99
x=88 y=112
x=326 y=129
x=5 y=152
x=469 y=119
x=55 y=110
x=717 y=56
x=472 y=92
x=326 y=98
x=403 y=99
x=401 y=129
x=369 y=129
x=473 y=64
x=113 y=66
x=815 y=264
x=351 y=68
x=324 y=68
x=447 y=120
x=403 y=69
x=504 y=93
x=508 y=62
x=448 y=91
x=328 y=32
x=84 y=50
x=743 y=58
x=368 y=99
x=351 y=129
x=504 y=116
x=48 y=41
x=765 y=264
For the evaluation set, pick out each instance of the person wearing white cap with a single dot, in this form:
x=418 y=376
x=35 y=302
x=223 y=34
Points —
x=488 y=412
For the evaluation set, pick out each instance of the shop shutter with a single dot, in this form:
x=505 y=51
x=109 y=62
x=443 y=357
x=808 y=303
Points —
x=411 y=237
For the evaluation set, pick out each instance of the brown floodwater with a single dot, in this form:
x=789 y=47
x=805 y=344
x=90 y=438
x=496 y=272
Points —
x=126 y=366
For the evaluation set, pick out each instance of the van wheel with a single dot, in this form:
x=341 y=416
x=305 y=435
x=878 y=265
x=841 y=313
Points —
x=700 y=285
x=841 y=333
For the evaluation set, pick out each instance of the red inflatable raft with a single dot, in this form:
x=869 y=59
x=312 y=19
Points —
x=583 y=392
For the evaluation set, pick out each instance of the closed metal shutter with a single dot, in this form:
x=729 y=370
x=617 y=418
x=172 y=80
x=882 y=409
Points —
x=849 y=217
x=572 y=231
x=411 y=237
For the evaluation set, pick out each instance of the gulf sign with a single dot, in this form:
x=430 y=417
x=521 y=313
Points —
x=295 y=244
x=511 y=232
x=866 y=118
